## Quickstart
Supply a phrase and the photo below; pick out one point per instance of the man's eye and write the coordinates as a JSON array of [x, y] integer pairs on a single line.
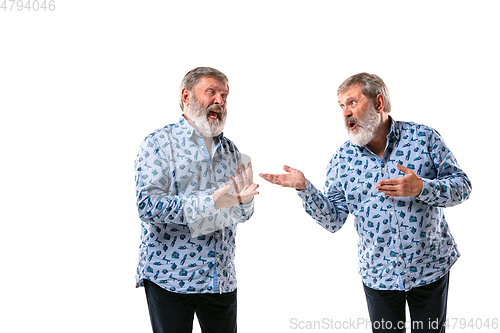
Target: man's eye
[[353, 103]]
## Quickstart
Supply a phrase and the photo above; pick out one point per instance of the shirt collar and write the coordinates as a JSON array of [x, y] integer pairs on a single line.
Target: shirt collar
[[183, 129], [395, 130]]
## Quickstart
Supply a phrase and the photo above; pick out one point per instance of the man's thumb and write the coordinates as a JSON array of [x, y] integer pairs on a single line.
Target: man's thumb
[[403, 169], [224, 190]]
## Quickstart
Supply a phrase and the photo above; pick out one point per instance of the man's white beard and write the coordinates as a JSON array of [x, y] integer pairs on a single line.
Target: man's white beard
[[365, 127], [208, 128]]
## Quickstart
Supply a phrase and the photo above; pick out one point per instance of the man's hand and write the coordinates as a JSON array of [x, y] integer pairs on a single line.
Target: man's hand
[[243, 187], [293, 178], [409, 185], [243, 182]]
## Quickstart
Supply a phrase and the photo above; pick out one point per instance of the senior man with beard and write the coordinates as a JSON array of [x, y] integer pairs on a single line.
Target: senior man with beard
[[395, 177], [184, 175]]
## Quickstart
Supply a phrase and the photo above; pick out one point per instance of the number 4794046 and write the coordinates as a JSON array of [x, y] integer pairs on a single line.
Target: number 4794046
[[473, 323], [28, 5]]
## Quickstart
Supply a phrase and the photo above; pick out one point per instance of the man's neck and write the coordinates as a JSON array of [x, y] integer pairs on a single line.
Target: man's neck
[[379, 141], [208, 144]]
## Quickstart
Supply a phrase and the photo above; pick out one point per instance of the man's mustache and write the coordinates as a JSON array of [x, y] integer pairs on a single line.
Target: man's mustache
[[214, 107], [351, 120]]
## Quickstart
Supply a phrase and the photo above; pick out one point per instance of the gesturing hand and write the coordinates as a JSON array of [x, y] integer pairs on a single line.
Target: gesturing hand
[[293, 178], [243, 187], [407, 186]]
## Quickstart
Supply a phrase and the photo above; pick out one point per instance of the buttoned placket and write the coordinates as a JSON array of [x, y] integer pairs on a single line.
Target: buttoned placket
[[397, 243], [213, 188], [400, 264], [219, 233]]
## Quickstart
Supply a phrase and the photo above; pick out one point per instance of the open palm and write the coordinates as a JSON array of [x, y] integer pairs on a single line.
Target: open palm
[[292, 178]]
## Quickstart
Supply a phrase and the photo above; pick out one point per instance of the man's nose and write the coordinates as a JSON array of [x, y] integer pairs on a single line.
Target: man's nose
[[346, 112], [219, 99]]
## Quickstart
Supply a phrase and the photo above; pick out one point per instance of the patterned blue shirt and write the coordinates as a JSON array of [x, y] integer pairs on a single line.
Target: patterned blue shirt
[[404, 242], [187, 246]]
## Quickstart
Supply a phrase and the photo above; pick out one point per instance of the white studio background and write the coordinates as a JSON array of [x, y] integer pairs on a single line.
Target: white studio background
[[82, 85]]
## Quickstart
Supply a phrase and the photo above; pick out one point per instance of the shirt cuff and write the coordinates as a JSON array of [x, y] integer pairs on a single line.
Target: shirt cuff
[[305, 193], [426, 193], [199, 206]]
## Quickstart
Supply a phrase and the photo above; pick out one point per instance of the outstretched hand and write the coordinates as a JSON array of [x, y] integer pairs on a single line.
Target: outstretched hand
[[293, 178], [407, 186], [243, 187]]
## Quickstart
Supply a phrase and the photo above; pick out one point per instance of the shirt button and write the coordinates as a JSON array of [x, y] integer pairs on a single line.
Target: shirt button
[[395, 236], [202, 147], [400, 259]]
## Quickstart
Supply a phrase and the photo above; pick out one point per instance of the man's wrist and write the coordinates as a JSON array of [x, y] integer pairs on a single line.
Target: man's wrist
[[302, 186]]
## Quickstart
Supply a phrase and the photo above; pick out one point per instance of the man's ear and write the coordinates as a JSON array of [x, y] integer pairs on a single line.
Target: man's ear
[[379, 103], [186, 96]]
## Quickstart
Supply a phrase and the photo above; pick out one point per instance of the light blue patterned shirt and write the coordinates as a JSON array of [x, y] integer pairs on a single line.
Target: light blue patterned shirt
[[404, 242], [187, 246]]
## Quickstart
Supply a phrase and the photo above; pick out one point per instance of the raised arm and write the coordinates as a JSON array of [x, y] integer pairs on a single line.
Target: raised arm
[[159, 200], [328, 209], [449, 187]]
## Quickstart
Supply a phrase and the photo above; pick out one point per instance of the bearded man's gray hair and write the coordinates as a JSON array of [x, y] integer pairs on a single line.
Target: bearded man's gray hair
[[193, 76], [371, 85]]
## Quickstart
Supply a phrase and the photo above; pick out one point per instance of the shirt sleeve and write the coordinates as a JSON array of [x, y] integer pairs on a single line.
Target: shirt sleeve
[[237, 214], [329, 209], [157, 200], [451, 185]]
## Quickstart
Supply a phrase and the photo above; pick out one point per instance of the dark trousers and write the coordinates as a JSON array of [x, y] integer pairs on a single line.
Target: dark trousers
[[174, 313], [427, 305]]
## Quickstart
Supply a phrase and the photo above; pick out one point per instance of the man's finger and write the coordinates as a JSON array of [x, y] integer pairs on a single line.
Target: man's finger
[[239, 179], [392, 193], [224, 190], [388, 182], [250, 192], [249, 172], [244, 174], [266, 176], [253, 187], [388, 188], [233, 183], [270, 178]]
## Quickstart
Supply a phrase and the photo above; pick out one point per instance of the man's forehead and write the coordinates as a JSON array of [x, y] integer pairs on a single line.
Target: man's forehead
[[210, 82], [353, 91]]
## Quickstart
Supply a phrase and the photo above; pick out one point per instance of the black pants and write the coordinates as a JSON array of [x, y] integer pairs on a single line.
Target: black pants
[[174, 313], [427, 305]]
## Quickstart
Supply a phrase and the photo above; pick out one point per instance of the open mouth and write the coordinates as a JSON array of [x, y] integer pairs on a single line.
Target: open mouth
[[351, 125], [214, 112], [213, 115]]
